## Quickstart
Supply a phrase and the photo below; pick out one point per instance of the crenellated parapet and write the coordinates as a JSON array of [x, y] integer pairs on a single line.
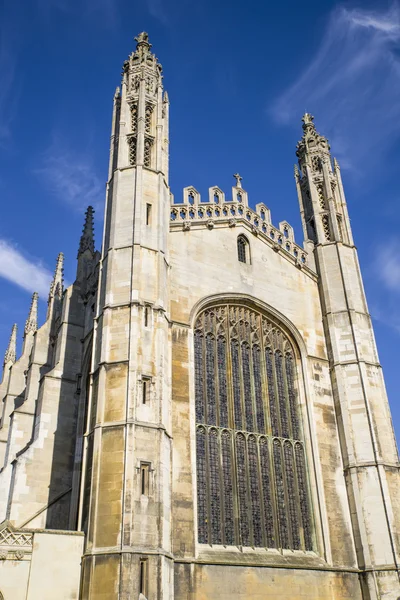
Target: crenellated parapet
[[218, 211]]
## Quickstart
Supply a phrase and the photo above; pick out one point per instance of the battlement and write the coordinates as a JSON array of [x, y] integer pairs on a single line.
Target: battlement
[[218, 210]]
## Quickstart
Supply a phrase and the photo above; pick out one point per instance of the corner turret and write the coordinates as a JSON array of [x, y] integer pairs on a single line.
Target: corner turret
[[322, 203], [369, 451]]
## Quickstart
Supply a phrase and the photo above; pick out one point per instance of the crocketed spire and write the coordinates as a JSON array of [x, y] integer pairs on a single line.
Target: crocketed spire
[[11, 352], [31, 322], [56, 286], [87, 237]]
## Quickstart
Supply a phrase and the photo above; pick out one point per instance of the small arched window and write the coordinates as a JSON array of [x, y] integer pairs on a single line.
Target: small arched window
[[243, 249], [251, 463]]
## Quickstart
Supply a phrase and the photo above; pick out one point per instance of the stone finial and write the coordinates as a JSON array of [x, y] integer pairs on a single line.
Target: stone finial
[[308, 120], [87, 237], [296, 172], [142, 40], [11, 352], [238, 180], [56, 286], [336, 165], [31, 322], [166, 98], [117, 93]]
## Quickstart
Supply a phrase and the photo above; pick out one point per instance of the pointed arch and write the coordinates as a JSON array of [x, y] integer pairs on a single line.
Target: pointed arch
[[254, 448]]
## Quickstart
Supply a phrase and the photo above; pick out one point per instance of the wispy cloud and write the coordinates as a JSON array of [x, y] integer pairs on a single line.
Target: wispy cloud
[[158, 11], [387, 265], [10, 86], [352, 85], [105, 10], [71, 177], [31, 275], [385, 269]]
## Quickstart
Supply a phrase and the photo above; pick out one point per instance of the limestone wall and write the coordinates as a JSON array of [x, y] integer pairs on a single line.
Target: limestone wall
[[204, 264], [39, 565]]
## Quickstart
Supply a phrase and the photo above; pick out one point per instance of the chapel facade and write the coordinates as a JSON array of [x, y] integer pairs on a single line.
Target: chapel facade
[[175, 432]]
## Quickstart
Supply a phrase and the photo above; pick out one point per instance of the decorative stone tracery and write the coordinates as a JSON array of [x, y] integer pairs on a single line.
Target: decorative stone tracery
[[251, 468]]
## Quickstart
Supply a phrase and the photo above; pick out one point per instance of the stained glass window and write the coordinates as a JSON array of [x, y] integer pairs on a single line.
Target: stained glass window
[[222, 389], [227, 476], [252, 483], [215, 487], [202, 486]]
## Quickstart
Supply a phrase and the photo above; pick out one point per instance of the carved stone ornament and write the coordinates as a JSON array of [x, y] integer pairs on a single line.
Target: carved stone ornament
[[210, 224], [232, 222], [186, 225], [254, 230], [19, 554], [135, 82], [276, 247], [298, 264], [3, 555]]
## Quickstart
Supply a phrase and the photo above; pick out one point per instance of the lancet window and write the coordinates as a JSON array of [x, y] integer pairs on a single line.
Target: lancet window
[[243, 249], [252, 484]]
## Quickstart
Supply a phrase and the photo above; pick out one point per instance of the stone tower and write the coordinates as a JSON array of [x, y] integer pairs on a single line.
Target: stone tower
[[370, 459], [128, 435]]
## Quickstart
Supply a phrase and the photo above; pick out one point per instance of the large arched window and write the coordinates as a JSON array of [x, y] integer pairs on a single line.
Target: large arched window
[[251, 467]]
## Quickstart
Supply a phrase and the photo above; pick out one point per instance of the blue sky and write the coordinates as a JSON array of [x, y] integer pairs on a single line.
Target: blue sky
[[239, 76]]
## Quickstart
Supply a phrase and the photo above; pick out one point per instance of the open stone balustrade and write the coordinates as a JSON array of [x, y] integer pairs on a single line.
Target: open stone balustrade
[[218, 210]]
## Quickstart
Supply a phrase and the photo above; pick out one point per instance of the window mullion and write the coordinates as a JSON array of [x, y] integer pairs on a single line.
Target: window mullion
[[231, 418], [222, 487], [276, 392], [286, 394], [287, 493], [208, 486], [252, 387], [280, 493], [204, 371], [274, 493], [264, 524], [267, 405], [242, 399], [297, 496], [264, 383], [216, 379]]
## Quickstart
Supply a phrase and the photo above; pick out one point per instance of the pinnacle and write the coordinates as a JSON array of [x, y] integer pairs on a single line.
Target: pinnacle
[[11, 352], [31, 322], [308, 122], [87, 237], [58, 279], [307, 118]]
